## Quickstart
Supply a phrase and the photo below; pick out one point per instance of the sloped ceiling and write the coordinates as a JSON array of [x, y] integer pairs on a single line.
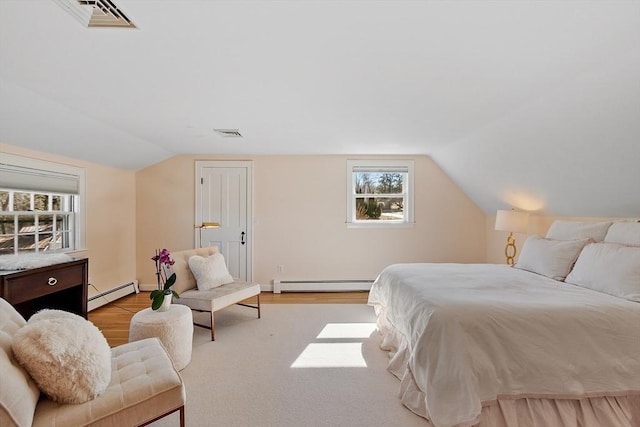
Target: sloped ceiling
[[528, 104]]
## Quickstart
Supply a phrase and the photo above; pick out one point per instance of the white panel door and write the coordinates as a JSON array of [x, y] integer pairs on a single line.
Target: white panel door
[[223, 195]]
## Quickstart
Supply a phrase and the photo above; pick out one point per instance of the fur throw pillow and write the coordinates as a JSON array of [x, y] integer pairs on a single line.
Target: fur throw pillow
[[210, 272], [66, 355]]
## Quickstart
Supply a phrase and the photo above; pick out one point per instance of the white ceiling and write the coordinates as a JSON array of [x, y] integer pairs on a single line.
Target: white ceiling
[[533, 104]]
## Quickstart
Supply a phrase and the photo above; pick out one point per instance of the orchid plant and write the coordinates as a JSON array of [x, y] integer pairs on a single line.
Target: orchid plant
[[163, 261]]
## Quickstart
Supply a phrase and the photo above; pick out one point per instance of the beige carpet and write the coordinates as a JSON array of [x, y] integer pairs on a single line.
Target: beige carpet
[[300, 365]]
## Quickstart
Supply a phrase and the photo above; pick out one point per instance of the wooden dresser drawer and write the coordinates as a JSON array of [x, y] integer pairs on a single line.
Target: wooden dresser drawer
[[27, 287]]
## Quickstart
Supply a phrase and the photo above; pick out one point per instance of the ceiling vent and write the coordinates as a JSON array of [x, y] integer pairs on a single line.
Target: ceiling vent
[[229, 133], [96, 13]]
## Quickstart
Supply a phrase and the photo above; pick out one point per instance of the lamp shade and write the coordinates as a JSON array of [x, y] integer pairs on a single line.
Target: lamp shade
[[513, 221]]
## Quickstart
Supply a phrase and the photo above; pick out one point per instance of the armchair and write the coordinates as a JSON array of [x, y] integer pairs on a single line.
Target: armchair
[[144, 387]]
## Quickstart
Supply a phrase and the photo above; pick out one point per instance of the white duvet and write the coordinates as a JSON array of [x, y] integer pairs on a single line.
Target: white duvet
[[476, 332]]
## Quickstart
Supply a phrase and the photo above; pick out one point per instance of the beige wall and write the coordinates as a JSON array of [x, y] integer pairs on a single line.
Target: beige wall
[[299, 219], [299, 213], [111, 225], [538, 224]]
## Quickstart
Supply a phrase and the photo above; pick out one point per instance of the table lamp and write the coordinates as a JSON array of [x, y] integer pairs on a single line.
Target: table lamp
[[513, 222]]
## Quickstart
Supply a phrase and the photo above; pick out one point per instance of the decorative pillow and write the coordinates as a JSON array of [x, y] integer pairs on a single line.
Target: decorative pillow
[[66, 355], [625, 233], [210, 272], [184, 276], [575, 230], [551, 258], [19, 394], [610, 268]]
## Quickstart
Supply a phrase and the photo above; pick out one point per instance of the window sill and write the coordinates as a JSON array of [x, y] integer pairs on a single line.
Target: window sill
[[380, 224], [78, 253]]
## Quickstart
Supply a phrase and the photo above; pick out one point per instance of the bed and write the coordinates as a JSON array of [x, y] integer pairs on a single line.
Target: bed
[[554, 341]]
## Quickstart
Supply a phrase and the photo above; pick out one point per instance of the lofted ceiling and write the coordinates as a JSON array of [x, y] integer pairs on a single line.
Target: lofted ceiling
[[532, 104]]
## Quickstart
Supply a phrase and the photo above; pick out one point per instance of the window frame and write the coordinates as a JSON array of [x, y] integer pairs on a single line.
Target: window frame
[[77, 230], [66, 215], [401, 166]]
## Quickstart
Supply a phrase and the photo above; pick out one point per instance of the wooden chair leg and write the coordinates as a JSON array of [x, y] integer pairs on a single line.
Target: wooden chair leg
[[182, 424], [213, 337]]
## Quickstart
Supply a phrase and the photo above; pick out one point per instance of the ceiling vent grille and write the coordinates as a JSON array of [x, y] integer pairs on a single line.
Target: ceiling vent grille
[[229, 133], [96, 13]]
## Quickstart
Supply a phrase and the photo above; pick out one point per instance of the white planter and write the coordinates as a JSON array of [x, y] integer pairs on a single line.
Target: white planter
[[166, 303]]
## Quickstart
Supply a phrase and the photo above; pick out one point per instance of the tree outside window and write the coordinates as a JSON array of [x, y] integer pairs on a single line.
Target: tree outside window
[[379, 192]]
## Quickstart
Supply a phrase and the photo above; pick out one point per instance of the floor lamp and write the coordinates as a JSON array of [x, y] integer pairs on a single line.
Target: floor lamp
[[513, 222], [206, 225]]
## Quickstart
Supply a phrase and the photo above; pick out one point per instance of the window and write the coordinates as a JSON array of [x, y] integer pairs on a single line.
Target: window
[[40, 206], [380, 193]]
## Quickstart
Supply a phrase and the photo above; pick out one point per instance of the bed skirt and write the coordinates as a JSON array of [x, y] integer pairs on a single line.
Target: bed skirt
[[507, 411]]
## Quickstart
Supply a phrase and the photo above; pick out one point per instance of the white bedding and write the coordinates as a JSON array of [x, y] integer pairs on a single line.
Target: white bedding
[[478, 332]]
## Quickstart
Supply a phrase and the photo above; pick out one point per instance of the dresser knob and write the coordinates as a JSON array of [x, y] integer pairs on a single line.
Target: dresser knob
[[52, 281]]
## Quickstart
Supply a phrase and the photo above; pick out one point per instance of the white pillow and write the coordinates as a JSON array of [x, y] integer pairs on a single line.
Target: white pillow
[[610, 268], [66, 355], [551, 258], [575, 230], [210, 272], [625, 233]]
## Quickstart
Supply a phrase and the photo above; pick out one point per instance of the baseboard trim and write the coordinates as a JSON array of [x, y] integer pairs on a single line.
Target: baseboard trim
[[321, 285], [111, 295]]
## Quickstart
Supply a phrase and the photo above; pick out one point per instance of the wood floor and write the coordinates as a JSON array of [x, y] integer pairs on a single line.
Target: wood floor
[[113, 318]]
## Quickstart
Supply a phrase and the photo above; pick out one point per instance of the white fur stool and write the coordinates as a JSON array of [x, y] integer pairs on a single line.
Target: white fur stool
[[174, 327]]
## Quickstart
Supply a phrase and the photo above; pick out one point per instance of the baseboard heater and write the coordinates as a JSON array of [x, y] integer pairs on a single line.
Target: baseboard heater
[[100, 299], [321, 285]]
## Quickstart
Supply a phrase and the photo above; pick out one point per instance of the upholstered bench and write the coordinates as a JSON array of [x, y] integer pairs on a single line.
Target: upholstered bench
[[144, 387], [210, 300]]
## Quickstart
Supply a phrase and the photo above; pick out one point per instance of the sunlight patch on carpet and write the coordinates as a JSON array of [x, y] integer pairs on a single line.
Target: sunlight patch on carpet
[[347, 353], [347, 330], [331, 355]]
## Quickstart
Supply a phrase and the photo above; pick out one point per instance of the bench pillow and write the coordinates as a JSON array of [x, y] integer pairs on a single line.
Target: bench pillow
[[184, 276], [210, 272]]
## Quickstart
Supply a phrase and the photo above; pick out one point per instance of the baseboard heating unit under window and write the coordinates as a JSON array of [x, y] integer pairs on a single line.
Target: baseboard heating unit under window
[[321, 285], [100, 299]]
